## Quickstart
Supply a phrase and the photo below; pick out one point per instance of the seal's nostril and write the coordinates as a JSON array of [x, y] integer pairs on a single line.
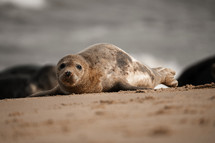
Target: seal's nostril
[[68, 73]]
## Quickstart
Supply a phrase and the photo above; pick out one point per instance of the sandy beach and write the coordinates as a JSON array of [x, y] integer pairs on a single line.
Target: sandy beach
[[184, 114]]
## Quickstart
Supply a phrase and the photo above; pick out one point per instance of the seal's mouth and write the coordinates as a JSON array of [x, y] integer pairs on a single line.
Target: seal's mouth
[[67, 79]]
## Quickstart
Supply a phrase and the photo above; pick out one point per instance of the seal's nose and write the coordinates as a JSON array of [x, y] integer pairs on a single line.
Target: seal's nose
[[68, 73]]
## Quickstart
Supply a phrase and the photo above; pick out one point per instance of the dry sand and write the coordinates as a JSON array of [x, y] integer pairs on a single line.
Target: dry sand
[[185, 114]]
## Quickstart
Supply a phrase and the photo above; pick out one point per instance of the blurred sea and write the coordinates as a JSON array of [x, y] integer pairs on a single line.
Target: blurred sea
[[171, 33]]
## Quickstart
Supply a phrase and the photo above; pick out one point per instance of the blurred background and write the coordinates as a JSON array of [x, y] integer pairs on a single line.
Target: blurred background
[[171, 33]]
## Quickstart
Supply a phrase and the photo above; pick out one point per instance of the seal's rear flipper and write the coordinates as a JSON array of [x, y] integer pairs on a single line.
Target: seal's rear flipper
[[54, 91], [167, 76]]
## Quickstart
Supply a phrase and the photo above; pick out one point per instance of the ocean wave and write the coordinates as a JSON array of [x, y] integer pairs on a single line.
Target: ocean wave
[[30, 4]]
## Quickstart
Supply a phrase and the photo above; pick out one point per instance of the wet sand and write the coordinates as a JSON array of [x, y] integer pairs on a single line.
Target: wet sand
[[185, 114]]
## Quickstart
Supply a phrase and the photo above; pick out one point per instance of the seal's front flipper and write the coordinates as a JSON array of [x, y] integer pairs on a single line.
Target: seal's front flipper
[[125, 86], [54, 91]]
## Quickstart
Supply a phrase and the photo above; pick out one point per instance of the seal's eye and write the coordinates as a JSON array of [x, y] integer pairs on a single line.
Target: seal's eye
[[62, 66], [79, 67]]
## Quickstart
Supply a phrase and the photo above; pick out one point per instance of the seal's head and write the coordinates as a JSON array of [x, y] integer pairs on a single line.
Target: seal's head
[[70, 71]]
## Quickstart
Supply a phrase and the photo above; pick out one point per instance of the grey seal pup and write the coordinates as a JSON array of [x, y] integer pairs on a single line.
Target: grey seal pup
[[106, 68]]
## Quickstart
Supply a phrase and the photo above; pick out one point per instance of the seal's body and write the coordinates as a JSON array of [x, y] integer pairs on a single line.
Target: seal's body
[[202, 72], [106, 68], [27, 70], [24, 80]]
